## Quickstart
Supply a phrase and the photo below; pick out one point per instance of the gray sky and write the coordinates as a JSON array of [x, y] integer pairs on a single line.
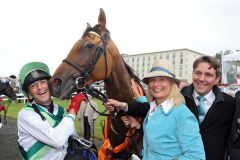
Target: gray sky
[[45, 30]]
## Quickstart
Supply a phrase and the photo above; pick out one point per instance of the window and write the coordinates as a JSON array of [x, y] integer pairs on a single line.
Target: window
[[180, 67], [181, 54], [181, 61], [180, 73], [155, 57], [173, 58], [167, 57]]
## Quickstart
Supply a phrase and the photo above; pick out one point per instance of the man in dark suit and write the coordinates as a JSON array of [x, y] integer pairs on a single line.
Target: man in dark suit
[[234, 145], [215, 114]]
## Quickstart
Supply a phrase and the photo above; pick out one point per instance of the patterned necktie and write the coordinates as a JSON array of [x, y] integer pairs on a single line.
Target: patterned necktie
[[201, 108]]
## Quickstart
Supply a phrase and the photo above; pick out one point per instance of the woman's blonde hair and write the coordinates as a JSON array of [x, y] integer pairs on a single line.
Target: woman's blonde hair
[[175, 94]]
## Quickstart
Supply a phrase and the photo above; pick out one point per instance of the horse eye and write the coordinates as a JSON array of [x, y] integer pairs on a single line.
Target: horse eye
[[88, 45]]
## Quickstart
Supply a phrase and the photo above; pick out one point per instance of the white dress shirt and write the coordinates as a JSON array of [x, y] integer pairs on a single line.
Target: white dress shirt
[[210, 97]]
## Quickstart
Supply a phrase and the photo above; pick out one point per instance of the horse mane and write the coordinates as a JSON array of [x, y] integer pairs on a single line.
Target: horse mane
[[133, 75]]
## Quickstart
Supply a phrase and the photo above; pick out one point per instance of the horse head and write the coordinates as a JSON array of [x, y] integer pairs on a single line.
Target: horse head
[[89, 60], [9, 86]]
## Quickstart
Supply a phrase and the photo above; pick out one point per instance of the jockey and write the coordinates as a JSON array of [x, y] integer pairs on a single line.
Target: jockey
[[43, 126]]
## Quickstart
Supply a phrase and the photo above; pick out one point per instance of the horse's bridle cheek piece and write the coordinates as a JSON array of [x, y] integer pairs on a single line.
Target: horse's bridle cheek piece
[[84, 73]]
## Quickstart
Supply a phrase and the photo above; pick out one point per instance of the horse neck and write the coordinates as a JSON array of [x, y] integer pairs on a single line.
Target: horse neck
[[118, 85]]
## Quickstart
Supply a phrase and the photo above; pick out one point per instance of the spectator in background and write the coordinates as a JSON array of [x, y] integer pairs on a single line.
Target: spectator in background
[[234, 140], [2, 107], [87, 117], [231, 75], [237, 80]]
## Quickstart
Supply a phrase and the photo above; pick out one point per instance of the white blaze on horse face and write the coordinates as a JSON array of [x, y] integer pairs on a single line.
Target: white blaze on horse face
[[14, 83]]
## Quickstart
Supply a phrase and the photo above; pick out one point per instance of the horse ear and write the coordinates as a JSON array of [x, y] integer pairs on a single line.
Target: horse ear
[[102, 18], [88, 25], [13, 76]]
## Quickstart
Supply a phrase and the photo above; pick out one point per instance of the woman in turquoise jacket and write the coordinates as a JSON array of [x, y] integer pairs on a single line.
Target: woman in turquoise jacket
[[171, 131]]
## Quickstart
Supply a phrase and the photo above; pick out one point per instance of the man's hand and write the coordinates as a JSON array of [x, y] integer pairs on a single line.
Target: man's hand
[[75, 102], [182, 84]]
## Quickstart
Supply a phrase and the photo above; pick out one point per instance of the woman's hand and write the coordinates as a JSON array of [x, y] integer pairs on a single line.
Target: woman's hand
[[131, 122], [113, 104]]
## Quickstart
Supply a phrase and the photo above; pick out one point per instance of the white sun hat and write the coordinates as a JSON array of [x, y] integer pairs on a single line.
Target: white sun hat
[[161, 68]]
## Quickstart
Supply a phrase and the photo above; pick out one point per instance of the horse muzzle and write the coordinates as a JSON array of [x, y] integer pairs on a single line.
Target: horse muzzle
[[60, 89]]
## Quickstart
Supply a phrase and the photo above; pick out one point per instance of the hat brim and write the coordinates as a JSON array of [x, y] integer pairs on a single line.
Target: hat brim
[[159, 74]]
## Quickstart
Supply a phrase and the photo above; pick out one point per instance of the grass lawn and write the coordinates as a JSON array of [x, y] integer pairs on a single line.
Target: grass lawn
[[14, 108]]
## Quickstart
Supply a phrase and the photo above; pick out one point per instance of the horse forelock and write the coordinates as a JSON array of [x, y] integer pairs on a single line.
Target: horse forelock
[[87, 30]]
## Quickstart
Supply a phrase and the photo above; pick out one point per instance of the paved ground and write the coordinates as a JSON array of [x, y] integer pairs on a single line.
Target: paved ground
[[8, 141]]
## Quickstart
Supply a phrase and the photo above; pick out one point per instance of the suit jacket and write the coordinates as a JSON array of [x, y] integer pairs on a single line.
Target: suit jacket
[[234, 140], [216, 126]]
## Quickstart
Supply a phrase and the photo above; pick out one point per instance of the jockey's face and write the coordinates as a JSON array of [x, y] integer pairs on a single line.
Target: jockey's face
[[39, 92]]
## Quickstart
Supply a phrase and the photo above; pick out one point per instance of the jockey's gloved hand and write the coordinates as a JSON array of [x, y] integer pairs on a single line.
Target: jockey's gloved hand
[[76, 101], [2, 108]]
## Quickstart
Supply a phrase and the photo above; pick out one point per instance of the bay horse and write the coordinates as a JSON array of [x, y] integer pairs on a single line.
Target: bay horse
[[95, 57]]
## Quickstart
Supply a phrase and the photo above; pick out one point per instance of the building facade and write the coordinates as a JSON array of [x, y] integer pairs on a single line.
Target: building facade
[[181, 59]]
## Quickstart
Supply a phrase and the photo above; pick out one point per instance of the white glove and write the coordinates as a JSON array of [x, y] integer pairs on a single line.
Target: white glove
[[135, 157]]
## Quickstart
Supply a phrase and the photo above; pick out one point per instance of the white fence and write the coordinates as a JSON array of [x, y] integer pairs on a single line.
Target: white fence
[[20, 97]]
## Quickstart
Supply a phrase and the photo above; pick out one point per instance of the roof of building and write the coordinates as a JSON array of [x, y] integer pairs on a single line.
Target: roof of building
[[173, 50]]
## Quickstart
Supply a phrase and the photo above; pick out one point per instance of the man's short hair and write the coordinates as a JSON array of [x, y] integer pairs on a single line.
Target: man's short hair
[[210, 60]]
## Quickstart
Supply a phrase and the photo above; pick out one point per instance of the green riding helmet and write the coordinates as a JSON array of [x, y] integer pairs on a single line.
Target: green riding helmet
[[32, 72]]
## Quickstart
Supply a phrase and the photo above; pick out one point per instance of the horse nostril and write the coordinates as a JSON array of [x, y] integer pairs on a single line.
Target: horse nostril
[[57, 82], [55, 85]]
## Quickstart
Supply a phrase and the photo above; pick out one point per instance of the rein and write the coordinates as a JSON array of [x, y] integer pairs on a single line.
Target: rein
[[97, 94]]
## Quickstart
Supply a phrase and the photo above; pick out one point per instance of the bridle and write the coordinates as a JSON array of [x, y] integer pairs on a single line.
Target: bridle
[[84, 73]]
